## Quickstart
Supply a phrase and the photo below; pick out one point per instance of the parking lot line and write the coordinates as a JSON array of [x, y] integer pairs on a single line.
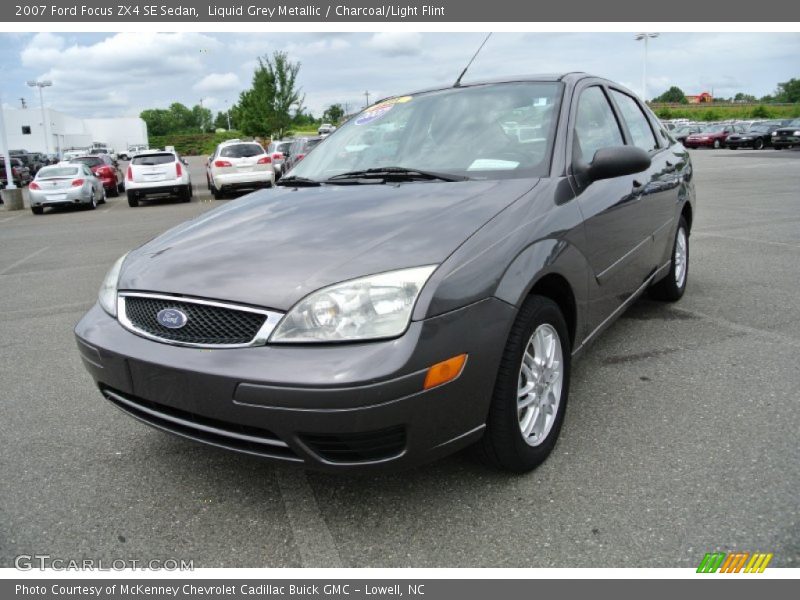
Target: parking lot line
[[746, 239], [311, 534], [23, 260]]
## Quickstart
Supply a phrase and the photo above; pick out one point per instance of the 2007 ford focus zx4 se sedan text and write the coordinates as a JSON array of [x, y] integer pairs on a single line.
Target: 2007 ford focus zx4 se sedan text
[[421, 281]]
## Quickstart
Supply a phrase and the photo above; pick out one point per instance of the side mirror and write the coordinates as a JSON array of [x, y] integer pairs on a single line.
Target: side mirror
[[617, 161], [185, 162]]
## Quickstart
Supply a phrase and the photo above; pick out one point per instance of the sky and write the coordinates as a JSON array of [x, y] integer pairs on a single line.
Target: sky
[[120, 74]]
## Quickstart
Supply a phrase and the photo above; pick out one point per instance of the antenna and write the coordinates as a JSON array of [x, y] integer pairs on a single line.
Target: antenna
[[458, 81]]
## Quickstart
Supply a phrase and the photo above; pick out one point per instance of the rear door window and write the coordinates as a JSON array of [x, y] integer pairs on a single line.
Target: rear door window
[[637, 123], [596, 126]]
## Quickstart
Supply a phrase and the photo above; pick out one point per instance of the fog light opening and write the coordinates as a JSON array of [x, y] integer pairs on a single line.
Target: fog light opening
[[445, 371]]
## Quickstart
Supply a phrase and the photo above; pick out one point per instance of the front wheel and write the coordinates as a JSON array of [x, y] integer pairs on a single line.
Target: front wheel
[[530, 395], [672, 287], [758, 144], [716, 145]]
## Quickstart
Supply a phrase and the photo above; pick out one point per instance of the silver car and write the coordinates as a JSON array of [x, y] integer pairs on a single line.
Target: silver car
[[278, 151], [65, 185]]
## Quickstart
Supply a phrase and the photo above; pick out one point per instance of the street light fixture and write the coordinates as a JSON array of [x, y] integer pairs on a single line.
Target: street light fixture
[[639, 37], [43, 84]]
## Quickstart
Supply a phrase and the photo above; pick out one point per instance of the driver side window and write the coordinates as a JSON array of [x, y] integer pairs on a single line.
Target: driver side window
[[596, 126]]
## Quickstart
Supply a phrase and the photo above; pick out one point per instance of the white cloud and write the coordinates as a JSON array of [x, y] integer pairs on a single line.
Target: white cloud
[[396, 43], [218, 82]]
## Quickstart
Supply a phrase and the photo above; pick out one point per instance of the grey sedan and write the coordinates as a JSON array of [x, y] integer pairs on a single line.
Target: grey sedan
[[65, 185], [421, 282]]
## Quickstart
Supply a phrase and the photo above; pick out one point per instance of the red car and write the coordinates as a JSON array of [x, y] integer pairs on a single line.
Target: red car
[[105, 169], [713, 136]]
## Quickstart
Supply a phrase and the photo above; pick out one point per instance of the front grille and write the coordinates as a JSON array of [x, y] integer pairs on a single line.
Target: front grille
[[223, 434], [205, 324], [358, 447]]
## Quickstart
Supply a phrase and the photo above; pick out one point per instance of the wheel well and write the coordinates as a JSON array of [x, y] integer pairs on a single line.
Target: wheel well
[[686, 213], [557, 289]]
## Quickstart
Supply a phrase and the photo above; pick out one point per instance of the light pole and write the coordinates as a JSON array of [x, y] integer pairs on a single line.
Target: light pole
[[4, 151], [228, 111], [40, 85], [639, 37]]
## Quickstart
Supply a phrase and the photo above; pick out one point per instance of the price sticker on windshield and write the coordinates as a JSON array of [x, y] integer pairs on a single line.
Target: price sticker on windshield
[[373, 113]]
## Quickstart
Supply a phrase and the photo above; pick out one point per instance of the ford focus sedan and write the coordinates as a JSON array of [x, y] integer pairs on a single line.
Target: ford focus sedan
[[420, 283]]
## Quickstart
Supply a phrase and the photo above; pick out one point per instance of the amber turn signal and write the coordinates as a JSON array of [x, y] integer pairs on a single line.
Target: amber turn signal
[[445, 371]]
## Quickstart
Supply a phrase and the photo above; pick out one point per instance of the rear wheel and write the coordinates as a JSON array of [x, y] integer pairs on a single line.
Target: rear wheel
[[530, 395], [672, 287], [37, 210], [103, 196], [133, 201]]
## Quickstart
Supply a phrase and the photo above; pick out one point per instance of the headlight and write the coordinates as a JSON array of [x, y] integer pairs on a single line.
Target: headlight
[[374, 307], [108, 291], [796, 133], [774, 133]]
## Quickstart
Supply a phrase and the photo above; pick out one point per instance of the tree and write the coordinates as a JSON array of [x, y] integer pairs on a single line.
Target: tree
[[267, 108], [744, 98], [333, 114], [788, 91], [672, 95], [760, 112], [221, 120], [202, 118]]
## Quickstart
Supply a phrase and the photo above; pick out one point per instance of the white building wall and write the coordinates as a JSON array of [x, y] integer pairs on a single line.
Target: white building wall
[[66, 131]]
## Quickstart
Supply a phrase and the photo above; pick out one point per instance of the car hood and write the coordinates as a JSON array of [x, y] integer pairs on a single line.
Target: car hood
[[272, 248]]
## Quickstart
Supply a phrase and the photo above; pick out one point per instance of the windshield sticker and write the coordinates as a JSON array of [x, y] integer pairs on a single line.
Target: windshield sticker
[[492, 164], [373, 113]]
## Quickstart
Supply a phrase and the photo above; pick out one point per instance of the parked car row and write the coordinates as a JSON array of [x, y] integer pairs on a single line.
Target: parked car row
[[740, 134]]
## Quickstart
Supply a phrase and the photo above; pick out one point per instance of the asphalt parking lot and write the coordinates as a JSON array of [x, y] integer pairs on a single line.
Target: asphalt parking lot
[[681, 435]]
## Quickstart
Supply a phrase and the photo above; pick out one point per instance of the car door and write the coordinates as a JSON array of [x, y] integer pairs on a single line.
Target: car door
[[618, 241], [659, 193]]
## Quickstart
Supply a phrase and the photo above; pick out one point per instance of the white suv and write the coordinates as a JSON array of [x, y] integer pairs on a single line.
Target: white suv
[[156, 172], [239, 165]]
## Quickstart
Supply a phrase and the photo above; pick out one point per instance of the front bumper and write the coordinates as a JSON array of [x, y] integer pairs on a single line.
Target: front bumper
[[59, 197], [699, 143], [784, 141], [332, 407]]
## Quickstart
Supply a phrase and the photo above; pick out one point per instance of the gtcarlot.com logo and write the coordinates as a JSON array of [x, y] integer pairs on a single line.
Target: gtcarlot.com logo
[[735, 562], [42, 562]]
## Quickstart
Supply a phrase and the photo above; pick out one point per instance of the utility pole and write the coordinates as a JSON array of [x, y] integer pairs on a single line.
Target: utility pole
[[41, 85], [367, 95], [228, 110], [23, 103]]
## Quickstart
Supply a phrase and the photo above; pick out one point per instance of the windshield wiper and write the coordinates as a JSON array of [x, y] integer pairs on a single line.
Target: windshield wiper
[[396, 174], [296, 181]]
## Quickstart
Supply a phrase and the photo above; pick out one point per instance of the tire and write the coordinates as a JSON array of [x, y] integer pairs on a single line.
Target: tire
[[92, 202], [37, 210], [758, 144], [672, 287], [114, 191], [504, 445], [133, 201], [731, 147], [716, 145], [103, 199], [186, 194], [218, 194]]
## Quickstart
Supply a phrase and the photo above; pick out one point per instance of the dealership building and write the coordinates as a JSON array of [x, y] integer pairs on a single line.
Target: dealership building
[[24, 131]]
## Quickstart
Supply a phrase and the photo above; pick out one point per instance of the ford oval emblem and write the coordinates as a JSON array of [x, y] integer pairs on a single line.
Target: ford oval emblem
[[171, 318]]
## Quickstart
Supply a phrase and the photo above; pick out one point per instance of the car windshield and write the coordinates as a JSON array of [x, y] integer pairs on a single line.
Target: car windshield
[[758, 128], [89, 161], [715, 129], [153, 159], [56, 172], [483, 131], [241, 151], [794, 123]]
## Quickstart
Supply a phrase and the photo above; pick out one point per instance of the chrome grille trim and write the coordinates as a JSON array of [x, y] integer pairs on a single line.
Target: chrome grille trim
[[260, 339]]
